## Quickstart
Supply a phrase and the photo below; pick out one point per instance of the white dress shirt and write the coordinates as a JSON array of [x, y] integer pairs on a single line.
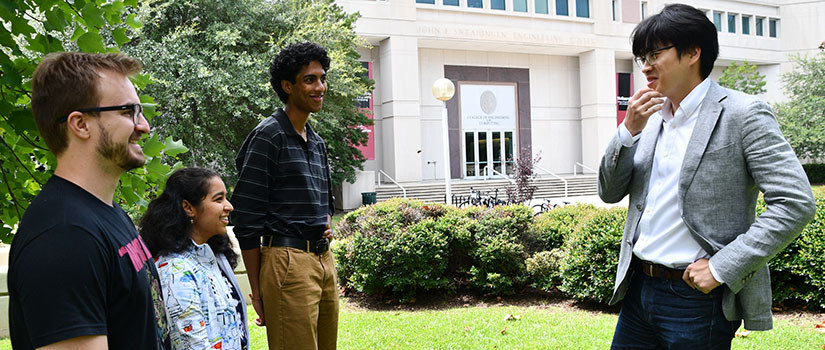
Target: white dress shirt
[[662, 236]]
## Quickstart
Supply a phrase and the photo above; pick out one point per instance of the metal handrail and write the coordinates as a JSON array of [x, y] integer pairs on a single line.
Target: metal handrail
[[487, 169], [583, 167], [556, 176], [381, 172]]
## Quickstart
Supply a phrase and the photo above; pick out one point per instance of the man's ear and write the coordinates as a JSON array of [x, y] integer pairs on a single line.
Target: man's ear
[[286, 85], [694, 54], [78, 124]]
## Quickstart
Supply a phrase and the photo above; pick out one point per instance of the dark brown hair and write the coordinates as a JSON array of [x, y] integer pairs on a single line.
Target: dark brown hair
[[67, 81]]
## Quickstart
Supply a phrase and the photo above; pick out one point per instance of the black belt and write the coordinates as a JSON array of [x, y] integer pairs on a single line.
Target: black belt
[[657, 270], [318, 247]]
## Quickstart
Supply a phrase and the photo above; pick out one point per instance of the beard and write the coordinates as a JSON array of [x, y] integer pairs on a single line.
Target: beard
[[117, 153]]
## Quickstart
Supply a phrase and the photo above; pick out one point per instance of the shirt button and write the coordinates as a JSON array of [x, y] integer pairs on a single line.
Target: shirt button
[[639, 207]]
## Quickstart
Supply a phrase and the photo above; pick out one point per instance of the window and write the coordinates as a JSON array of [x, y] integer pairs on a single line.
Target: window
[[425, 1], [450, 2], [731, 23], [644, 10], [772, 27], [475, 4], [541, 7], [614, 11], [561, 8], [717, 21], [583, 8], [759, 25], [497, 4], [746, 25]]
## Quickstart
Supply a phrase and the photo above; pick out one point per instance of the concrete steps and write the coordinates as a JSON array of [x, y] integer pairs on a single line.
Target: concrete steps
[[548, 187]]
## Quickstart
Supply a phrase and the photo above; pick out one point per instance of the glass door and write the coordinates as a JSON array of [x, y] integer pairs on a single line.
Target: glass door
[[490, 147]]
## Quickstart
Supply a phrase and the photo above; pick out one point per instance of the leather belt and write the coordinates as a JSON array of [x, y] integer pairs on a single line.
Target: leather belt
[[657, 270], [318, 247]]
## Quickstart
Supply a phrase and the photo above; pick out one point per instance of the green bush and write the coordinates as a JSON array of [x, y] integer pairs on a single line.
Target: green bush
[[798, 271], [815, 172], [543, 269], [553, 227], [499, 252], [589, 268]]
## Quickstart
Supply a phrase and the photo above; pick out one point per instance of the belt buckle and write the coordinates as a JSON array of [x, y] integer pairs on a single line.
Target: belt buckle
[[321, 246], [650, 268]]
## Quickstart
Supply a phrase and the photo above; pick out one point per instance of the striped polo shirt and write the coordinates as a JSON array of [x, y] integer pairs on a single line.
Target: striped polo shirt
[[284, 186]]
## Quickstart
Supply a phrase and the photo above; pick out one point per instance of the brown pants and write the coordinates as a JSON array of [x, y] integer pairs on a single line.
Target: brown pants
[[300, 295]]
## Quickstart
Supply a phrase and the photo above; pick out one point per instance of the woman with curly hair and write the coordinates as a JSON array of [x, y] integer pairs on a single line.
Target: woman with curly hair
[[185, 230]]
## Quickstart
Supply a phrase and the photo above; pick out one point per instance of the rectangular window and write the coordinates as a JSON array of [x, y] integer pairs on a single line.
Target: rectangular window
[[644, 10], [541, 7], [731, 23], [497, 4], [759, 26], [614, 11], [425, 1], [772, 28], [746, 25], [475, 4], [583, 8], [717, 21], [450, 2], [561, 8], [520, 5]]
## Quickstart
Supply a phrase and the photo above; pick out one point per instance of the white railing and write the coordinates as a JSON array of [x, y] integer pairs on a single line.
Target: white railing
[[577, 164], [556, 176], [487, 169], [403, 190]]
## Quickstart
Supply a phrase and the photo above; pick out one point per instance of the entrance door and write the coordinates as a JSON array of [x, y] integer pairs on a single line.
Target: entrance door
[[493, 148]]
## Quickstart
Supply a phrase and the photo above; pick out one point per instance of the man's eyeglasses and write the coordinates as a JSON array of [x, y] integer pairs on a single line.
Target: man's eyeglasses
[[135, 110], [650, 57]]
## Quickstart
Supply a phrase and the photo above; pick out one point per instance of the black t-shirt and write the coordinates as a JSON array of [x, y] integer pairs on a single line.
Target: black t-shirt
[[77, 267]]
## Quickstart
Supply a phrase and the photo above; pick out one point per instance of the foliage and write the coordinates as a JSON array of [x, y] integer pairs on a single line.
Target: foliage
[[211, 59], [589, 269], [523, 189], [802, 117], [553, 227], [815, 172], [744, 78], [543, 269], [29, 30], [798, 271], [502, 235]]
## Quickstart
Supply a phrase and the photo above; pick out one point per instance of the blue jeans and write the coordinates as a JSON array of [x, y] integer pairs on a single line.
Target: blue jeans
[[664, 314]]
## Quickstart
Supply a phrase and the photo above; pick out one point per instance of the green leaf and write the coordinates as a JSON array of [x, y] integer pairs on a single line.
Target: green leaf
[[133, 22], [10, 76], [152, 147], [174, 148], [141, 80], [20, 25], [91, 42], [77, 33], [56, 18], [156, 168], [93, 15], [132, 3], [120, 37]]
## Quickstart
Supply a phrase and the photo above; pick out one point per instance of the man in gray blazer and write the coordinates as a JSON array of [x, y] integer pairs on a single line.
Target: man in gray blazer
[[693, 157]]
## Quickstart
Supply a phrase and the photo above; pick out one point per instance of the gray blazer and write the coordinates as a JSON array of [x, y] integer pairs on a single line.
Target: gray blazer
[[736, 151], [223, 264]]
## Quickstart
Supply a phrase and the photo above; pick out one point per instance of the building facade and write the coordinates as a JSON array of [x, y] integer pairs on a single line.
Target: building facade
[[547, 76]]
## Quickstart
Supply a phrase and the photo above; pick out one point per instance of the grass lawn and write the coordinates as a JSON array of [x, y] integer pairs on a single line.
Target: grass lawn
[[541, 326]]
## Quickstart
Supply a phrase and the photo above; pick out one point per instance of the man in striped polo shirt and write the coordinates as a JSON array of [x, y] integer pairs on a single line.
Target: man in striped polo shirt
[[283, 203]]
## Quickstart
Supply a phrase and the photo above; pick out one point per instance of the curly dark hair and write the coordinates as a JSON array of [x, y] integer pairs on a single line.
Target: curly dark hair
[[166, 228], [288, 62]]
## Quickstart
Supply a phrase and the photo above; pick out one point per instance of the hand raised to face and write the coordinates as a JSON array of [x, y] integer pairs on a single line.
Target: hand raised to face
[[641, 106]]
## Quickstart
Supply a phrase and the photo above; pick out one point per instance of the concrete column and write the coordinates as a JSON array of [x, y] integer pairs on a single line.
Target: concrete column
[[400, 108], [597, 72]]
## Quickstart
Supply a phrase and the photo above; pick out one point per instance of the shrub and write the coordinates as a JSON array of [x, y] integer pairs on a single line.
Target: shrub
[[815, 172], [589, 268], [553, 227], [499, 252], [798, 271], [543, 269]]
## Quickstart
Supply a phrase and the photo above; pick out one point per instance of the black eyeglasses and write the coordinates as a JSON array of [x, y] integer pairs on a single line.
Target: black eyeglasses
[[650, 57], [136, 110]]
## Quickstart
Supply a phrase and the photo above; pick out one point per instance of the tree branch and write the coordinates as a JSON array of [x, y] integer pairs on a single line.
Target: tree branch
[[20, 161], [13, 198]]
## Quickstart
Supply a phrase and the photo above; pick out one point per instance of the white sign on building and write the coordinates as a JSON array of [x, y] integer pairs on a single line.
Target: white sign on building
[[487, 107]]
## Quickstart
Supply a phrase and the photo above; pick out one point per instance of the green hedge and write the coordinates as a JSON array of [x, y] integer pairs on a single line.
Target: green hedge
[[815, 172], [403, 248]]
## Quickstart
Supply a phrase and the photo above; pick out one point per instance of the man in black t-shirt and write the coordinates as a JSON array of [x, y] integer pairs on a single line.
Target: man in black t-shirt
[[79, 274]]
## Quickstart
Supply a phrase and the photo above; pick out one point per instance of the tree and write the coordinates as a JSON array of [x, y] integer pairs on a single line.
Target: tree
[[743, 78], [522, 191], [802, 117], [30, 29], [211, 58]]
